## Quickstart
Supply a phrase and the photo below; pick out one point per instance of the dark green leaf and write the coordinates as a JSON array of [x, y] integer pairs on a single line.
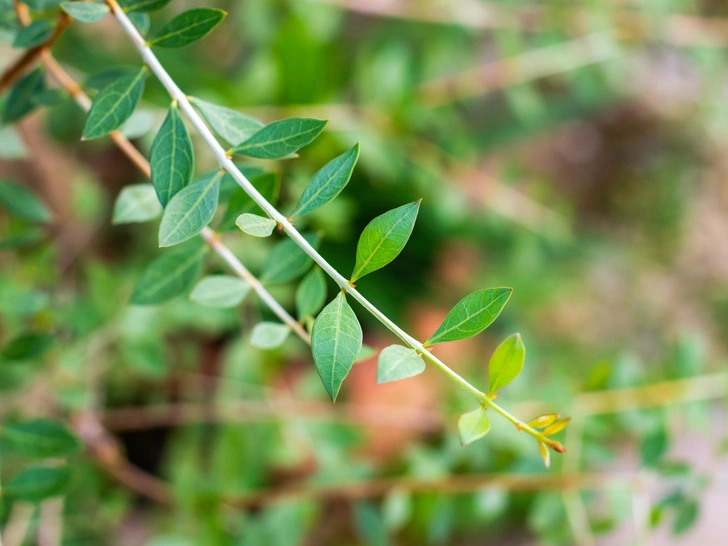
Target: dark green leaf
[[20, 202], [287, 261], [506, 362], [269, 335], [687, 515], [168, 276], [257, 226], [188, 27], [397, 362], [98, 81], [327, 183], [25, 237], [37, 483], [142, 5], [471, 315], [335, 342], [189, 212], [384, 238], [172, 158], [86, 12], [40, 438], [220, 291], [136, 203], [114, 104], [240, 202], [653, 446], [49, 97], [35, 33], [20, 98], [26, 346], [311, 294], [234, 127], [281, 138], [473, 426]]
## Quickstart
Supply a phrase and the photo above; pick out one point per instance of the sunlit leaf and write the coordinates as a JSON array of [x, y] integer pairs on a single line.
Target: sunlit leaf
[[543, 420], [168, 276], [172, 158], [257, 226], [397, 362], [86, 12], [189, 212], [37, 483], [114, 104], [311, 294], [543, 450], [40, 438], [220, 291], [188, 27], [287, 261], [20, 99], [281, 138], [558, 426], [233, 126], [20, 202], [269, 335], [136, 203], [507, 362], [35, 33], [473, 426]]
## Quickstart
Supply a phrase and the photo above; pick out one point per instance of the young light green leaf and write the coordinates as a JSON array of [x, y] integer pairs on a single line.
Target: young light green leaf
[[20, 202], [189, 212], [281, 138], [35, 33], [384, 238], [327, 183], [26, 346], [142, 5], [40, 438], [168, 276], [473, 426], [543, 450], [188, 27], [558, 426], [397, 362], [220, 291], [37, 483], [20, 99], [233, 126], [543, 420], [287, 261], [114, 104], [172, 159], [506, 362], [257, 226], [86, 12], [471, 315], [240, 202], [335, 341], [311, 294], [269, 335], [136, 203]]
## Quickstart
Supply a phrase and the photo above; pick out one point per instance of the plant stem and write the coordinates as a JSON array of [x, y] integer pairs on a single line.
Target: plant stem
[[226, 163]]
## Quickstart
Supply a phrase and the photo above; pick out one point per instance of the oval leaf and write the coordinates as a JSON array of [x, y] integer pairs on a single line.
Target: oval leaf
[[384, 238], [220, 291], [136, 203], [20, 99], [26, 346], [37, 483], [20, 202], [473, 426], [114, 104], [172, 158], [281, 138], [543, 450], [268, 335], [188, 27], [234, 127], [35, 33], [311, 294], [397, 362], [335, 342], [287, 261], [86, 12], [327, 183], [506, 362], [40, 438], [168, 276], [142, 5], [558, 426], [471, 315], [189, 212], [257, 226]]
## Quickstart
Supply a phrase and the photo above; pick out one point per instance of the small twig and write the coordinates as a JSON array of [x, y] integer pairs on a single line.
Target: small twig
[[18, 524]]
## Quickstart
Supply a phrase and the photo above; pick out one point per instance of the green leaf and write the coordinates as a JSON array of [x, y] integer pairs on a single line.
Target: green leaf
[[26, 346], [687, 515], [268, 335], [188, 27], [35, 33], [335, 342], [220, 291], [653, 446], [168, 276], [189, 212], [142, 5], [327, 183], [397, 362], [384, 238], [86, 12], [172, 158], [233, 126], [287, 261], [40, 438], [473, 426], [311, 294], [114, 104], [136, 203], [240, 202], [49, 97], [281, 138], [37, 483], [20, 202], [141, 21], [20, 99], [257, 226], [471, 315], [506, 362]]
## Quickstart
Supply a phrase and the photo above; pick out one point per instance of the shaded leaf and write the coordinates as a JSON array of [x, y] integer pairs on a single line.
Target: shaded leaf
[[20, 202], [311, 294], [86, 12], [188, 27], [269, 335], [189, 212], [365, 353], [287, 261], [384, 238], [240, 202], [40, 438], [142, 5], [168, 276], [26, 346], [507, 362], [653, 446], [233, 126], [687, 515], [37, 483], [471, 315], [114, 104], [96, 82], [136, 203], [35, 33], [473, 426], [220, 291], [281, 138], [336, 340], [397, 362], [141, 21], [257, 226], [327, 183], [20, 99], [172, 158]]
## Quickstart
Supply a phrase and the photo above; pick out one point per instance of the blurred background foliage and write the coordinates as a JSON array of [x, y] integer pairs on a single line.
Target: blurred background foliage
[[572, 150]]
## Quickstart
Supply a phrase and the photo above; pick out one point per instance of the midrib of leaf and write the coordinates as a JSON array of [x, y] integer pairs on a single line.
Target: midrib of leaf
[[172, 167], [342, 299], [122, 97], [459, 324], [181, 30], [277, 141], [321, 189], [376, 248], [167, 279], [199, 199]]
